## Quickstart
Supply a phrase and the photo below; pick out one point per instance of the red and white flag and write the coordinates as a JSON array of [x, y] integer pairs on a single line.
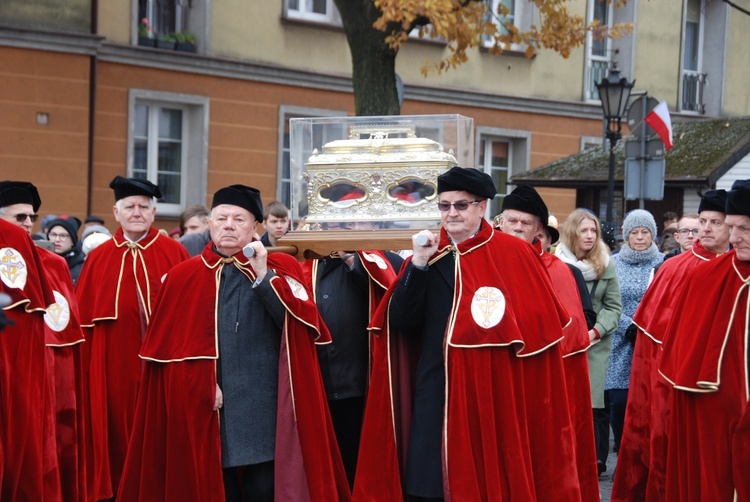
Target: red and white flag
[[659, 120]]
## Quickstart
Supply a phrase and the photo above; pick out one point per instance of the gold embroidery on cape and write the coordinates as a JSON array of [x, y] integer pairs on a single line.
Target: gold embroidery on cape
[[13, 270], [57, 316], [376, 259], [487, 306], [298, 290]]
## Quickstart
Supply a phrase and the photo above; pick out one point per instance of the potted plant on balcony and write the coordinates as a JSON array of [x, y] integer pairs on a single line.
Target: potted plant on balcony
[[165, 41], [144, 33], [185, 41]]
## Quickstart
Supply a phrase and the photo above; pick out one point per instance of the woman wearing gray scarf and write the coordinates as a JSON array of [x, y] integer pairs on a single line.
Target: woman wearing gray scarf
[[634, 265]]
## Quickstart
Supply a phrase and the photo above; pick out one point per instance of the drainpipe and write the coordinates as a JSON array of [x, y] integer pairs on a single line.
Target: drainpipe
[[92, 107]]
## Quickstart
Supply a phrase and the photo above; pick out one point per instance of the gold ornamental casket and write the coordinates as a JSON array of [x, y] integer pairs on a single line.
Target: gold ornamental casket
[[376, 176]]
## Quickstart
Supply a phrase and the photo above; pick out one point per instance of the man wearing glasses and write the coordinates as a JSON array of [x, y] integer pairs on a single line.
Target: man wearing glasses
[[63, 233], [19, 203], [481, 308], [24, 443], [641, 459], [688, 228], [19, 200], [706, 360]]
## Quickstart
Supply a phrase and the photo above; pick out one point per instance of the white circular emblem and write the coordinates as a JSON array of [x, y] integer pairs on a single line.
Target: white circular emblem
[[298, 290], [487, 306], [13, 269], [376, 259], [58, 314]]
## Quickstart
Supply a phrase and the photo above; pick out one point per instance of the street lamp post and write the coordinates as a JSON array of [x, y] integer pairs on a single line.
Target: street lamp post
[[614, 92]]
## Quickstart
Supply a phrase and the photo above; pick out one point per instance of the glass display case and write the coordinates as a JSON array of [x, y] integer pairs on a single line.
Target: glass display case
[[372, 173]]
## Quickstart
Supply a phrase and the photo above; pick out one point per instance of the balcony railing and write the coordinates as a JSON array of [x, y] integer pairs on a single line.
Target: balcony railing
[[693, 84], [597, 72]]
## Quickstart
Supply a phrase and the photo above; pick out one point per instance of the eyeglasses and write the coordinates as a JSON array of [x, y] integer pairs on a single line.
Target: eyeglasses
[[52, 236], [685, 231], [461, 205], [21, 217]]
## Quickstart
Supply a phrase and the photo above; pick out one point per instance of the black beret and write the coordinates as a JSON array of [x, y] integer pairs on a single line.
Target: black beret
[[738, 198], [713, 200], [554, 234], [240, 195], [527, 200], [125, 187], [468, 180], [19, 192], [93, 219], [71, 224]]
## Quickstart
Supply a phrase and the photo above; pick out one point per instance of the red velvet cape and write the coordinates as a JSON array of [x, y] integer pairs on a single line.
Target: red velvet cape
[[507, 429], [375, 263], [114, 276], [63, 336], [379, 270], [28, 457], [576, 364], [175, 451], [706, 361], [641, 460]]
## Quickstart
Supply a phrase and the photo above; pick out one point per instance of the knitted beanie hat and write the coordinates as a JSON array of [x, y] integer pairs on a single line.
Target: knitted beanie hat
[[70, 224], [638, 218]]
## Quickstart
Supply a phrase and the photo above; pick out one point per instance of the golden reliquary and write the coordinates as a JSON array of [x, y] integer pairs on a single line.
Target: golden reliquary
[[382, 173], [372, 173]]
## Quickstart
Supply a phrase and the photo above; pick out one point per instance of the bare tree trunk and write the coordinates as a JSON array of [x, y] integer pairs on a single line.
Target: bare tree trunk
[[373, 63]]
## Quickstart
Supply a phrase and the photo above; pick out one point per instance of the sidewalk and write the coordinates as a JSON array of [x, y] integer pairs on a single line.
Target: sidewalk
[[605, 480]]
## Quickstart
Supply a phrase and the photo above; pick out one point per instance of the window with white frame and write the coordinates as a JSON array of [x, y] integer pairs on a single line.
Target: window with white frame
[[592, 142], [159, 149], [494, 159], [321, 11], [598, 51], [693, 78], [502, 21], [188, 20], [518, 14], [499, 153], [692, 53], [509, 17], [164, 16], [284, 175], [167, 146]]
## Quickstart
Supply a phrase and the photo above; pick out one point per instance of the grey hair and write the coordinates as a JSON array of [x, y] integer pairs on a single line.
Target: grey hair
[[151, 203]]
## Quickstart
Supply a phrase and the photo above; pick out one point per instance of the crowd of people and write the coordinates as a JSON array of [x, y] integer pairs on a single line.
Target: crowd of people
[[489, 364]]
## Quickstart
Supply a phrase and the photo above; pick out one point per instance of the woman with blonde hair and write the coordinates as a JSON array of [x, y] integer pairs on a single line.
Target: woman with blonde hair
[[582, 246]]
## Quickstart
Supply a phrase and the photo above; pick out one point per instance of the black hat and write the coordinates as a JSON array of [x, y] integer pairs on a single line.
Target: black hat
[[19, 192], [554, 233], [526, 199], [713, 200], [738, 198], [240, 195], [93, 219], [70, 223], [125, 187], [468, 180]]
